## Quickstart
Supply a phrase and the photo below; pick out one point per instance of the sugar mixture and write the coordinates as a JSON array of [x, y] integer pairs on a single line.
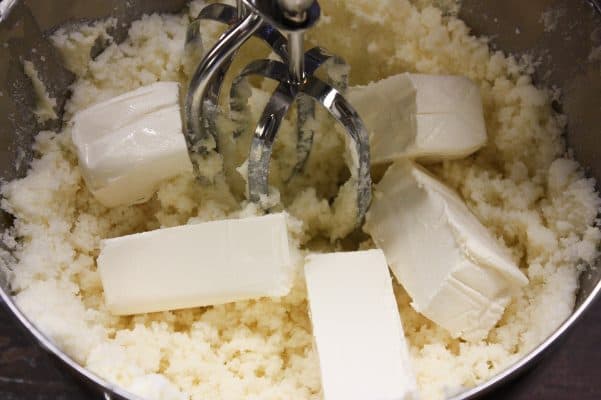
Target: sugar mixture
[[522, 185]]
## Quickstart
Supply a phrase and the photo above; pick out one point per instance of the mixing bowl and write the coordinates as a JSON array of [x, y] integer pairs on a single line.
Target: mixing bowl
[[563, 36]]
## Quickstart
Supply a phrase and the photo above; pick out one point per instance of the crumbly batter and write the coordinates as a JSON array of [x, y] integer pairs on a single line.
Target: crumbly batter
[[522, 186]]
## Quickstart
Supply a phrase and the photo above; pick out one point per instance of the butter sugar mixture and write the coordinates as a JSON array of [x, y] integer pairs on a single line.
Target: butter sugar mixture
[[522, 186]]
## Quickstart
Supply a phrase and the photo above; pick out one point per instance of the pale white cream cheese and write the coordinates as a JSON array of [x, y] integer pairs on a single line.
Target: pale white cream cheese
[[454, 270], [357, 329], [128, 144], [197, 265], [429, 117]]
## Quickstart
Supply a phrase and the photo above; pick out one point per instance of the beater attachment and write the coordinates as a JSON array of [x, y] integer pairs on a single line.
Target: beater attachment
[[281, 25]]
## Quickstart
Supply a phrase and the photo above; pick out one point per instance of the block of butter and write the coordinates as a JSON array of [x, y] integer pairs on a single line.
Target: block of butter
[[430, 117], [357, 329], [196, 265], [128, 144], [454, 270]]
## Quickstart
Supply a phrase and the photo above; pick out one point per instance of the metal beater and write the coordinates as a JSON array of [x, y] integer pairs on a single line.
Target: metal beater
[[281, 24]]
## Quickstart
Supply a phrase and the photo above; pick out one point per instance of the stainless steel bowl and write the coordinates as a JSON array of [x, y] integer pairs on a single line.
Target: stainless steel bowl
[[566, 59]]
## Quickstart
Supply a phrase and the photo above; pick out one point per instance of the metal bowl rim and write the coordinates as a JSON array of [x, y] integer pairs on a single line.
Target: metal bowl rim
[[110, 389], [47, 344]]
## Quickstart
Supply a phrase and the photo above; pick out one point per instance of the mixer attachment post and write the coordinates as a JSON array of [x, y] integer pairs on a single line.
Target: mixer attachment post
[[281, 24]]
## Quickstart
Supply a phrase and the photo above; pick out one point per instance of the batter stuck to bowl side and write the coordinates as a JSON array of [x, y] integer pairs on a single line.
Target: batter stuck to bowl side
[[522, 186]]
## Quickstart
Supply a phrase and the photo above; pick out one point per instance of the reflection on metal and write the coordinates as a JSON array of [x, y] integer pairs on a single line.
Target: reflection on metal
[[5, 7]]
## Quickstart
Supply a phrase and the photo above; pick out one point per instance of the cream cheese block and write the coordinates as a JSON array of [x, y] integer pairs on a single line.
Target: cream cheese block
[[430, 117], [129, 144], [196, 265], [454, 270], [357, 329]]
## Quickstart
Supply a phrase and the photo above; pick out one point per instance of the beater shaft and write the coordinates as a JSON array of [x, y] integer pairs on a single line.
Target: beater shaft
[[296, 61]]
